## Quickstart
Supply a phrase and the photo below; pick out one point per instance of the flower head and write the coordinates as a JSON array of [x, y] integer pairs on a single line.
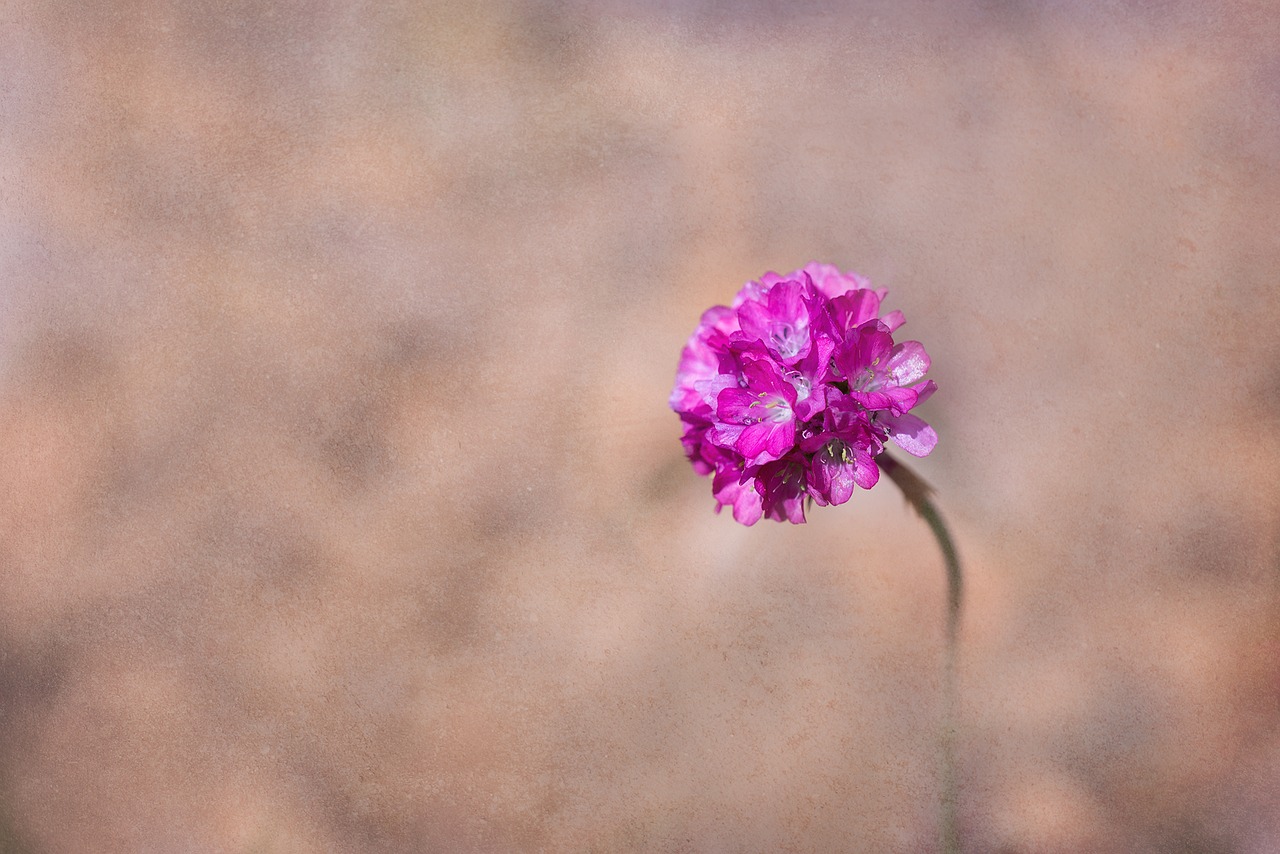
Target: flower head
[[792, 392]]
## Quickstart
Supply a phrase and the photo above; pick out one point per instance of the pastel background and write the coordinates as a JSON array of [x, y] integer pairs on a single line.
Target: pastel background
[[340, 508]]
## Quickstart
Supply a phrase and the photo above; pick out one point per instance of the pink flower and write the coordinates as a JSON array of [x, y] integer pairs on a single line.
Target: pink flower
[[758, 420], [788, 396]]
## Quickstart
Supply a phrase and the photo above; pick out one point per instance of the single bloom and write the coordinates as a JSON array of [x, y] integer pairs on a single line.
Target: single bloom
[[788, 395]]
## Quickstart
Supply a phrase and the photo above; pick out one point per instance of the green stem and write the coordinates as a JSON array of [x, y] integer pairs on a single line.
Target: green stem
[[919, 495]]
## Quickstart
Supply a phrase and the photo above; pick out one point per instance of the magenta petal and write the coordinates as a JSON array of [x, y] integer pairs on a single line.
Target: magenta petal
[[709, 390], [781, 323], [907, 362], [700, 359], [731, 487], [782, 490], [925, 390], [725, 435], [893, 320], [755, 320], [872, 343], [754, 440], [895, 400], [866, 346], [911, 434], [766, 441], [764, 376], [781, 439], [865, 473], [855, 308], [746, 506], [830, 282], [734, 404], [810, 406], [837, 467], [833, 480]]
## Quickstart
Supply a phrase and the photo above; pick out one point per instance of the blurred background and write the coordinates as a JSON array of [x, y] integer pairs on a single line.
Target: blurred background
[[341, 509]]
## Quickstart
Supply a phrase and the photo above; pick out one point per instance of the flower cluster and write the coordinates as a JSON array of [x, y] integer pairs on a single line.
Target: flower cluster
[[793, 391]]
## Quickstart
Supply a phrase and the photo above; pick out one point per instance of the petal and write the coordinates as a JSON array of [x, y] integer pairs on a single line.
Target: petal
[[725, 435], [868, 343], [696, 448], [782, 490], [810, 406], [925, 390], [828, 279], [855, 308], [709, 390], [895, 400], [908, 362], [755, 320], [766, 441], [753, 291], [781, 323], [911, 434], [747, 508], [839, 482], [764, 375], [893, 320], [794, 508], [735, 488], [865, 473], [733, 404]]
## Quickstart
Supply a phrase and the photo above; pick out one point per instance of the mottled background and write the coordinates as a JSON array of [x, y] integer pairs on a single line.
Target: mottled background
[[340, 508]]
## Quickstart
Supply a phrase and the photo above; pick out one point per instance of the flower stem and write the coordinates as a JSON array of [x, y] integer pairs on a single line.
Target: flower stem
[[918, 493]]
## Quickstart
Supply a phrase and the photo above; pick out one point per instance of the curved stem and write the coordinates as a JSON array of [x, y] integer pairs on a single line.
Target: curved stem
[[919, 495]]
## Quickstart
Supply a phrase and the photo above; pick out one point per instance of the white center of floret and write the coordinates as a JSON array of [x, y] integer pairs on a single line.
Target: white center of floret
[[786, 340], [801, 384]]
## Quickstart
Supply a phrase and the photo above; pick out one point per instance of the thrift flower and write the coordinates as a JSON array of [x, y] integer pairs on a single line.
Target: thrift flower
[[788, 396]]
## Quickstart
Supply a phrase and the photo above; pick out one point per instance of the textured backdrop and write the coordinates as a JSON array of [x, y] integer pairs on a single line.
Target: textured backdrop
[[340, 508]]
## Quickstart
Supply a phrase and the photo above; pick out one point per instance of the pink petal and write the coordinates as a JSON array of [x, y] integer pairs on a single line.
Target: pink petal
[[866, 344], [732, 487], [856, 308], [925, 390], [908, 362], [911, 434], [865, 473], [895, 400], [766, 441]]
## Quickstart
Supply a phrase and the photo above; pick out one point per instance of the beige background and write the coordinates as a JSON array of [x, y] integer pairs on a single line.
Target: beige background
[[340, 508]]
